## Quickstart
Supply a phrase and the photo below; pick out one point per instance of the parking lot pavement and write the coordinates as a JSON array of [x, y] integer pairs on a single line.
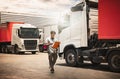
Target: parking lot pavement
[[29, 66]]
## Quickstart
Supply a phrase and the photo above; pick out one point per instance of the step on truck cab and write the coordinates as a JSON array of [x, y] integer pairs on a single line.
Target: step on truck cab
[[17, 37], [82, 40]]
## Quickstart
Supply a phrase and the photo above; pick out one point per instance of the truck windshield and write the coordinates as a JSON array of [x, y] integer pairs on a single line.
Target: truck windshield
[[29, 33]]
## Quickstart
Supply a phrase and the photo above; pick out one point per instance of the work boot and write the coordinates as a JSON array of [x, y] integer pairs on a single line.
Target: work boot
[[52, 70]]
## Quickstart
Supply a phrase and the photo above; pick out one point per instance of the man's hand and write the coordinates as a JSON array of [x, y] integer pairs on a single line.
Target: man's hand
[[49, 43]]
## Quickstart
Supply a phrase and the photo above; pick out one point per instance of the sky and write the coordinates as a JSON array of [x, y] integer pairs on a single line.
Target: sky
[[40, 7]]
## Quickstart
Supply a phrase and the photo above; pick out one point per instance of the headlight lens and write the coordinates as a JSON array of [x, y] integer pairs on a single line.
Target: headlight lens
[[23, 46]]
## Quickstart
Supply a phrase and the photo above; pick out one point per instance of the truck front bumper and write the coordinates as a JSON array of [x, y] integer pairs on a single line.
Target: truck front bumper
[[23, 50]]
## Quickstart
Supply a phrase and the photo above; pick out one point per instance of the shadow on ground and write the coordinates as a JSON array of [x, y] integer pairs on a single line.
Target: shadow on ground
[[26, 53], [21, 53], [102, 67]]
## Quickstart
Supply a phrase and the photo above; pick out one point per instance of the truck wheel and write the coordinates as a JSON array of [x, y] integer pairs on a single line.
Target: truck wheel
[[15, 49], [0, 49], [41, 48], [6, 50], [33, 52], [21, 52], [70, 57], [114, 61], [3, 49]]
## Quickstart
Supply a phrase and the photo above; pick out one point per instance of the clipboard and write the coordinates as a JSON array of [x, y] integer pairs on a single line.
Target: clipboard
[[56, 45]]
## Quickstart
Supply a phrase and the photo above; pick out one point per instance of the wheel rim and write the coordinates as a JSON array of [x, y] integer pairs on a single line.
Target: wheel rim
[[116, 61], [71, 58]]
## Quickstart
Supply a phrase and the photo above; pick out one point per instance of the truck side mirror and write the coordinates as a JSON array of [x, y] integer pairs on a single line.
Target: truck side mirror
[[78, 7], [39, 36]]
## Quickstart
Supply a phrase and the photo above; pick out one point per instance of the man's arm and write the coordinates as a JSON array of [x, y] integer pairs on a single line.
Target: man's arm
[[47, 42]]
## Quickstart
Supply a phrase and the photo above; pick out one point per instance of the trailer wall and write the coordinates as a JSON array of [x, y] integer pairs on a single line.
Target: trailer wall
[[109, 21], [6, 31]]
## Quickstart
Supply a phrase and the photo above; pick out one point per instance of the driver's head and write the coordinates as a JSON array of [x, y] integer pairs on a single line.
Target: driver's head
[[52, 34]]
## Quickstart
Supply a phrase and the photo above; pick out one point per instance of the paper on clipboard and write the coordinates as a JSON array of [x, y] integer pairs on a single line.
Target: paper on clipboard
[[56, 45]]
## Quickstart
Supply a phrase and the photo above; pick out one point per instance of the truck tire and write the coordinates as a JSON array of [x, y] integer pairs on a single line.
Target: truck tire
[[114, 61], [71, 57], [80, 61], [21, 53], [3, 49], [41, 49], [15, 50], [6, 50], [0, 49], [33, 52]]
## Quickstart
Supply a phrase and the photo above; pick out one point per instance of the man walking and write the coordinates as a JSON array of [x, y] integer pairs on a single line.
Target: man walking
[[52, 52]]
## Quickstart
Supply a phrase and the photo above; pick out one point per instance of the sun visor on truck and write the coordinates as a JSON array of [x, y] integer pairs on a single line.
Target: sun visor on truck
[[79, 7]]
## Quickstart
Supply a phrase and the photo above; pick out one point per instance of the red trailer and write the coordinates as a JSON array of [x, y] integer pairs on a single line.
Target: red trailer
[[6, 31], [6, 34], [109, 21]]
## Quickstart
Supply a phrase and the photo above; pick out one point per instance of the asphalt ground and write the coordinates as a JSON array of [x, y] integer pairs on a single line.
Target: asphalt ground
[[29, 66]]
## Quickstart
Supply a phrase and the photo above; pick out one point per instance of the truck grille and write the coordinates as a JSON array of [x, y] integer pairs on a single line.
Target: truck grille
[[30, 44]]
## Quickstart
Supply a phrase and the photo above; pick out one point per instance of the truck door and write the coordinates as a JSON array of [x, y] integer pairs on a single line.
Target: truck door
[[78, 24]]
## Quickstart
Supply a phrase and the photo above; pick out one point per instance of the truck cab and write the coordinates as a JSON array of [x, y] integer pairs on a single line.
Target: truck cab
[[25, 38], [76, 33], [18, 37]]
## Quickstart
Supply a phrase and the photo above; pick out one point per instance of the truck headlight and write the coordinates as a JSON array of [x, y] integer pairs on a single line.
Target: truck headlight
[[23, 46]]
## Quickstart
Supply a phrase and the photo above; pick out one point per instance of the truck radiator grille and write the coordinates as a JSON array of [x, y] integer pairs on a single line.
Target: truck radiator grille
[[30, 44]]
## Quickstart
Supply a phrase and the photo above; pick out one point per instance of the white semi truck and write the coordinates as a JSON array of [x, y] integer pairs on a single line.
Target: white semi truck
[[80, 42], [17, 37]]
